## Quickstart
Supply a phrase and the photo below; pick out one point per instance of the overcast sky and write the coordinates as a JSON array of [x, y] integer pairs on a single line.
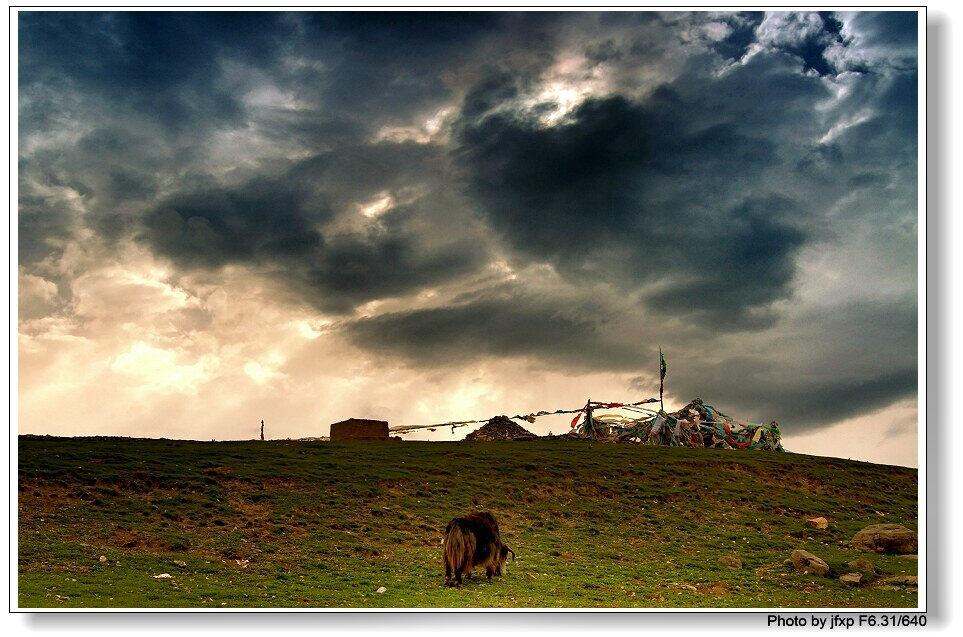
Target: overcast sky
[[304, 217]]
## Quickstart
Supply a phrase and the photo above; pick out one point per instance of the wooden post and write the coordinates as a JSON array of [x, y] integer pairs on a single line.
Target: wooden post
[[262, 430]]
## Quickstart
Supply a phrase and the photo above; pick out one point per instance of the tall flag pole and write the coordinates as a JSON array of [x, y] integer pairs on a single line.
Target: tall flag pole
[[661, 377]]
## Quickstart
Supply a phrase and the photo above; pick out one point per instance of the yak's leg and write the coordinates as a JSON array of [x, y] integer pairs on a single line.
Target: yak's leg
[[489, 571], [447, 573], [457, 572]]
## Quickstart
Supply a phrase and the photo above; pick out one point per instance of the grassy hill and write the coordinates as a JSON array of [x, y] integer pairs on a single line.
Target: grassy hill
[[303, 524]]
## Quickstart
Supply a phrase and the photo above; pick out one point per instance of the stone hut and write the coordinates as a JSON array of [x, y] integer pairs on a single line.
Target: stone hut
[[360, 429]]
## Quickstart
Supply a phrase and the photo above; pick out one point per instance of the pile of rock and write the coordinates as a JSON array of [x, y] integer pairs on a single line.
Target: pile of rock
[[500, 428]]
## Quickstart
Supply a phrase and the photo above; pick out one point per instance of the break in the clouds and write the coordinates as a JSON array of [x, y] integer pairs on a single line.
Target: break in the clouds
[[428, 216]]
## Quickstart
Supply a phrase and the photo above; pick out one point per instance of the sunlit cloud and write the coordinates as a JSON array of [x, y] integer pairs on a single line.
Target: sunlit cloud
[[158, 370], [377, 206]]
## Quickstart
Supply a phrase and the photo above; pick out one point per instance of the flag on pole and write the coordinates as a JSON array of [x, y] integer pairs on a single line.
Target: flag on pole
[[661, 376]]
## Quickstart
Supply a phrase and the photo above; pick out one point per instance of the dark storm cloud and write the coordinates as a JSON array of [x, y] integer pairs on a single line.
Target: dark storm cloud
[[378, 68], [821, 368], [747, 267], [41, 224], [855, 359], [502, 323], [133, 96], [160, 65], [896, 121], [274, 224], [110, 168], [388, 63], [888, 36], [743, 33], [375, 265], [690, 189], [674, 203], [632, 193], [812, 48], [165, 82], [260, 220]]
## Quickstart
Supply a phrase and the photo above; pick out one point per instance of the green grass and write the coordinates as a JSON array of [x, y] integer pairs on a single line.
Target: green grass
[[304, 524]]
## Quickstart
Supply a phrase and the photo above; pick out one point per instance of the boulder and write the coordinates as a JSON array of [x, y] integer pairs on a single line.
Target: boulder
[[885, 538], [862, 566], [818, 523], [806, 562], [851, 579], [730, 562]]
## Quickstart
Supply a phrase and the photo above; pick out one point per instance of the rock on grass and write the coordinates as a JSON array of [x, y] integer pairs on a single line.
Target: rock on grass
[[863, 566], [806, 562], [885, 538], [851, 579]]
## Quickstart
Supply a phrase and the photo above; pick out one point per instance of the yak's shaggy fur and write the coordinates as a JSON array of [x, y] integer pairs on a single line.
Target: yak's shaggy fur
[[473, 541]]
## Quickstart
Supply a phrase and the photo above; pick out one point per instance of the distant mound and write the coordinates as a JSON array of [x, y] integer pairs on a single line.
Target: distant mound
[[500, 428]]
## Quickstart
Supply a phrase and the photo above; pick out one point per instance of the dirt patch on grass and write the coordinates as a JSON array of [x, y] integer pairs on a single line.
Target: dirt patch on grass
[[65, 568], [249, 510], [234, 485], [567, 489], [714, 588], [810, 484], [133, 541], [218, 471], [39, 498], [396, 488], [791, 480]]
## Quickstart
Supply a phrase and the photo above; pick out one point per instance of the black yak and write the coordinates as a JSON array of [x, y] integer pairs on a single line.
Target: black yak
[[474, 541]]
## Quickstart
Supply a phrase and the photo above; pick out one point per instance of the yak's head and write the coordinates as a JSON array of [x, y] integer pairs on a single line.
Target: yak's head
[[503, 558]]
